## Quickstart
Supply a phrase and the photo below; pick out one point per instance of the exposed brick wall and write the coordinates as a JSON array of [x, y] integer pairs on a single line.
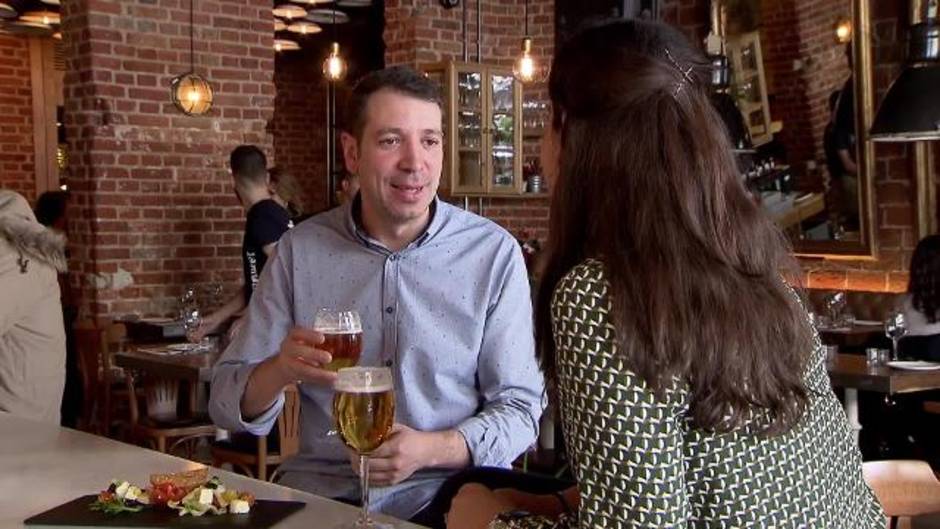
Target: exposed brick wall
[[430, 33], [895, 205], [153, 207], [691, 16], [299, 124], [802, 32], [17, 155], [894, 191]]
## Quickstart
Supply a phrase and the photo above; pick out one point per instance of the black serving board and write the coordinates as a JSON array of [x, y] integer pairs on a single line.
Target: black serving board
[[263, 514]]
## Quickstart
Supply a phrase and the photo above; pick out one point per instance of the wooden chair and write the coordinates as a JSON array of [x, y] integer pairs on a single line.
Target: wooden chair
[[102, 382], [255, 464], [165, 432], [905, 488]]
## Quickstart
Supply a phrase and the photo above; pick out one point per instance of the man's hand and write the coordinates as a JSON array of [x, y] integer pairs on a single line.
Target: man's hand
[[405, 451], [300, 361], [207, 326]]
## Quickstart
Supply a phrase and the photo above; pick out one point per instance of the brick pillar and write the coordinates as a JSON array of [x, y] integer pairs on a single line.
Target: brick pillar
[[153, 207], [17, 156]]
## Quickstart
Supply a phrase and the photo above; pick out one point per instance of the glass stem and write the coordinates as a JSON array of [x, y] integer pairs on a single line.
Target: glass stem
[[894, 348], [364, 520]]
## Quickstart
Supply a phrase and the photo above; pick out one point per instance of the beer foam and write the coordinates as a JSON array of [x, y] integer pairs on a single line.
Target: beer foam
[[326, 329], [354, 386]]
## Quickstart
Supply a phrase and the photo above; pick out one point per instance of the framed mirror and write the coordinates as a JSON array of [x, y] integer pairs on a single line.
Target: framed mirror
[[801, 80]]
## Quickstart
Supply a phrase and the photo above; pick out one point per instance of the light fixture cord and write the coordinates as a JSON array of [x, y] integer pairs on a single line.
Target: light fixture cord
[[525, 15], [192, 49]]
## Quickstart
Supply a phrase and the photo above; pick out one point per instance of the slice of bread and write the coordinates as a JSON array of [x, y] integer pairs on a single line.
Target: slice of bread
[[187, 480]]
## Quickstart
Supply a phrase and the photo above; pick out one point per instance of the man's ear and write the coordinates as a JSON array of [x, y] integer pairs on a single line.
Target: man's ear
[[350, 152]]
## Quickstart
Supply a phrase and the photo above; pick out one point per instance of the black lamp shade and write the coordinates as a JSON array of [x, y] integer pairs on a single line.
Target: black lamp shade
[[911, 109]]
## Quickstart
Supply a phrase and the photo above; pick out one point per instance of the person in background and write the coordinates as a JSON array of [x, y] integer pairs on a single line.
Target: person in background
[[286, 191], [692, 387], [922, 302], [444, 301], [50, 211], [265, 223], [843, 169], [32, 334]]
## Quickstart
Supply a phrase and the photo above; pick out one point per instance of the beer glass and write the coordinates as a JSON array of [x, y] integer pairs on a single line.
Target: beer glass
[[342, 336], [364, 410]]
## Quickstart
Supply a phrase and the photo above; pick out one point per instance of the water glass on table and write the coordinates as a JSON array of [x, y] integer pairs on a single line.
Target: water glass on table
[[895, 328]]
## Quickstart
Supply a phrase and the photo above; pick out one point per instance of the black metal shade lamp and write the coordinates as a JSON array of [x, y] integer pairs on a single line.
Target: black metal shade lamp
[[911, 109], [191, 93]]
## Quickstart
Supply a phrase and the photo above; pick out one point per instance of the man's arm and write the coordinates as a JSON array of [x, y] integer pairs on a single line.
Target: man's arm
[[212, 322], [848, 163], [510, 381]]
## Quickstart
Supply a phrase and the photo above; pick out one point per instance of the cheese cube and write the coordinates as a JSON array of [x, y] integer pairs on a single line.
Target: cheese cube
[[205, 496], [121, 490], [239, 507]]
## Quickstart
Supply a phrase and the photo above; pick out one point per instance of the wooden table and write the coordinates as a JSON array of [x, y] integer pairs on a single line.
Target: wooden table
[[44, 465], [193, 368], [852, 373], [857, 336], [183, 366]]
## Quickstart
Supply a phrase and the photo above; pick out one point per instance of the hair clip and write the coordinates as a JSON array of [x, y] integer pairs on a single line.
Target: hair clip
[[686, 73]]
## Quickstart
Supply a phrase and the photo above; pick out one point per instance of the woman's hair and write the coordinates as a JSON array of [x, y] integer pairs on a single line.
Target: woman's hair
[[285, 186], [647, 184], [51, 206], [924, 284]]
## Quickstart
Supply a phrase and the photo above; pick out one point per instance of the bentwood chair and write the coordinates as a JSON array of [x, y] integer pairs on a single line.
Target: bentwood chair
[[255, 463], [157, 422], [905, 488]]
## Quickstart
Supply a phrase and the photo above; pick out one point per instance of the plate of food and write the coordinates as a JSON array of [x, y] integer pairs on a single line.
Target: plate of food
[[180, 499], [914, 365]]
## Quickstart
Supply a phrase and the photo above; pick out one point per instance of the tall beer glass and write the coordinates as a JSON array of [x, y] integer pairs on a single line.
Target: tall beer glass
[[364, 410], [342, 336]]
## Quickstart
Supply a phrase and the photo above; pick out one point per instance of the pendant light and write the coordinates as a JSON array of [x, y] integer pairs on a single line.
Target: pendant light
[[191, 93], [525, 69], [911, 109], [334, 67]]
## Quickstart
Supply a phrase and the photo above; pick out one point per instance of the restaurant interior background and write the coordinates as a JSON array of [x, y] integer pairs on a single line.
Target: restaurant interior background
[[152, 205]]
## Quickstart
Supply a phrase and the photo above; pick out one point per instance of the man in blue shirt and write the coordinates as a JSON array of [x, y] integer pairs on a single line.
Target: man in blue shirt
[[444, 300]]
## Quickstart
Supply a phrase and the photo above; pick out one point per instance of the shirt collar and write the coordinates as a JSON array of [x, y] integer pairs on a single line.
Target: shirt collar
[[354, 223]]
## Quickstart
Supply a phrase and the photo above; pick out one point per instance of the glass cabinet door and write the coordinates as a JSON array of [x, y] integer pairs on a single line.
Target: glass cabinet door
[[469, 133], [502, 133]]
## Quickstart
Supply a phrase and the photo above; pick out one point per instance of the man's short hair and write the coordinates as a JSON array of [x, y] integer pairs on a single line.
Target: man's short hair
[[401, 79], [249, 164]]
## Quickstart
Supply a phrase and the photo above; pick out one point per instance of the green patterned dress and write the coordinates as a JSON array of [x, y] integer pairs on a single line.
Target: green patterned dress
[[639, 463]]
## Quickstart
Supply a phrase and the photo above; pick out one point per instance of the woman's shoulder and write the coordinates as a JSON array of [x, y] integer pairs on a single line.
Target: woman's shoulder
[[585, 282]]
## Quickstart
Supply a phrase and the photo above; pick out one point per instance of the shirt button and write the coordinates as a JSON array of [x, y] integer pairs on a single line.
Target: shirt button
[[393, 257], [388, 363], [389, 310]]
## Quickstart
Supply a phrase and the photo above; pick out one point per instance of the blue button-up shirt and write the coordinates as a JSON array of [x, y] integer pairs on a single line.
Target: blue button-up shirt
[[451, 313]]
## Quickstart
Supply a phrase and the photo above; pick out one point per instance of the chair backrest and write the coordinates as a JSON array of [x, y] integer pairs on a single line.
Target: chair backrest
[[904, 487], [288, 422], [92, 349]]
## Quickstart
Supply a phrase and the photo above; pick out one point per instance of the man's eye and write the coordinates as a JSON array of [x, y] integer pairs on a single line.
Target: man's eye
[[388, 141], [432, 142]]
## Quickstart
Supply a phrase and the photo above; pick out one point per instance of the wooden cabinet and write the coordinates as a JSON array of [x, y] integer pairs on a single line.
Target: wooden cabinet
[[749, 85], [483, 129]]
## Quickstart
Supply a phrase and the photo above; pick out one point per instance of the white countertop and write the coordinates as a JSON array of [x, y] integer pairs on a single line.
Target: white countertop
[[43, 466]]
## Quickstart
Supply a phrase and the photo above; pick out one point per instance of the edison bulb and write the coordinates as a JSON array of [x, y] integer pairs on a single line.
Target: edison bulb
[[525, 69], [193, 96], [334, 67]]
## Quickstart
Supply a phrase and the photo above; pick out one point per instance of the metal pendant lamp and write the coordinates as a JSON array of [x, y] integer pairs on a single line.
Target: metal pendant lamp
[[191, 93], [911, 109]]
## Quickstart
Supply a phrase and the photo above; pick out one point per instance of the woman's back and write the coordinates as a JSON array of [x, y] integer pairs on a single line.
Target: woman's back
[[640, 463]]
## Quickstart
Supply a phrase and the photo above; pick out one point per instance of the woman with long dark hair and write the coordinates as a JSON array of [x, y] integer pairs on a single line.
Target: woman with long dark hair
[[691, 384], [922, 304]]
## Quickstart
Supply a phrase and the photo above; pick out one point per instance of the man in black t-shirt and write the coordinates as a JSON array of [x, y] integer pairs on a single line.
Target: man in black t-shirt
[[266, 221]]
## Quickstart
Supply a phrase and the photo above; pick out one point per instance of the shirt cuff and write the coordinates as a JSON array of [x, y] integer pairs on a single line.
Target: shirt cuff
[[261, 424], [484, 446]]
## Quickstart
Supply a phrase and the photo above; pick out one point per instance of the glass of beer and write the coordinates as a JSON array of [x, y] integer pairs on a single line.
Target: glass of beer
[[364, 410], [342, 336]]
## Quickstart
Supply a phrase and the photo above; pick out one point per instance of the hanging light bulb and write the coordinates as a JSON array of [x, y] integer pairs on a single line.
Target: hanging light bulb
[[844, 32], [334, 67], [524, 69], [191, 93]]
